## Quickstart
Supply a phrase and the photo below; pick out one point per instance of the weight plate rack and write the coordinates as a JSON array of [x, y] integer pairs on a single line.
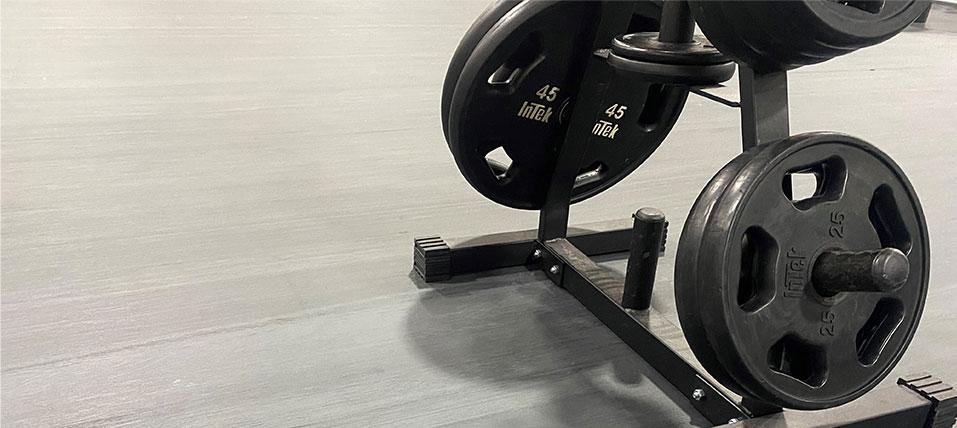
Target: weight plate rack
[[623, 305]]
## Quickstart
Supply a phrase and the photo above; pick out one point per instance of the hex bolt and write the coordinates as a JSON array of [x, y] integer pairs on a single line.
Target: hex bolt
[[733, 421], [537, 254], [697, 394], [554, 269]]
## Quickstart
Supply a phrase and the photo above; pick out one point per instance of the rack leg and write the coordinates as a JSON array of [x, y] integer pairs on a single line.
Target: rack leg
[[437, 259]]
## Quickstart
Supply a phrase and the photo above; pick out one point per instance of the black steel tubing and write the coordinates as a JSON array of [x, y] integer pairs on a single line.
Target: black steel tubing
[[677, 25]]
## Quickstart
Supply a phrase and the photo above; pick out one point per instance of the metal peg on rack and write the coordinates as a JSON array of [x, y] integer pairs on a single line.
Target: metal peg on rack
[[647, 243]]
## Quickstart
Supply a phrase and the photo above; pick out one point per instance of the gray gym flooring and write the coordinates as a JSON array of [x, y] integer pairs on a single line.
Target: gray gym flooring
[[208, 211]]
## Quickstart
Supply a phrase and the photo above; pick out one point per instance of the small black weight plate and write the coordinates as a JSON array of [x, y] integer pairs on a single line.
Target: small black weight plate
[[517, 89], [674, 74], [773, 35], [746, 298], [473, 35], [694, 63], [645, 46]]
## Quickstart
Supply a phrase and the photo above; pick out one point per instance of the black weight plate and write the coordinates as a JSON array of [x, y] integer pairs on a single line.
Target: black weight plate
[[745, 299], [772, 35], [473, 35], [517, 90], [646, 47], [675, 74], [688, 245]]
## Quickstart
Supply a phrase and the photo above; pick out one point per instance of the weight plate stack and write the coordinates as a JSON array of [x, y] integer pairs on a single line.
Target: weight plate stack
[[803, 301], [782, 35], [516, 79]]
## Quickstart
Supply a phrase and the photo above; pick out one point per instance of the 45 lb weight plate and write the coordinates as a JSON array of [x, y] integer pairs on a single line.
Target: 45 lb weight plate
[[807, 300], [519, 85]]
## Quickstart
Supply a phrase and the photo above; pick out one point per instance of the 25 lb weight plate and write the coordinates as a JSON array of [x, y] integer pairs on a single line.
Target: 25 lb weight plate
[[518, 87], [773, 35], [803, 301]]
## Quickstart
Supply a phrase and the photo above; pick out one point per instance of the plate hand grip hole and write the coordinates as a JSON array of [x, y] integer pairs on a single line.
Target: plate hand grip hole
[[518, 65], [504, 75], [804, 185], [887, 221], [654, 107], [590, 174], [869, 6], [499, 162], [808, 185], [759, 254], [800, 360], [877, 331]]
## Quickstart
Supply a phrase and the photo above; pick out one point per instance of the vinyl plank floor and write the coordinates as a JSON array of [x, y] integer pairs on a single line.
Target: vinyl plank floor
[[208, 210]]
